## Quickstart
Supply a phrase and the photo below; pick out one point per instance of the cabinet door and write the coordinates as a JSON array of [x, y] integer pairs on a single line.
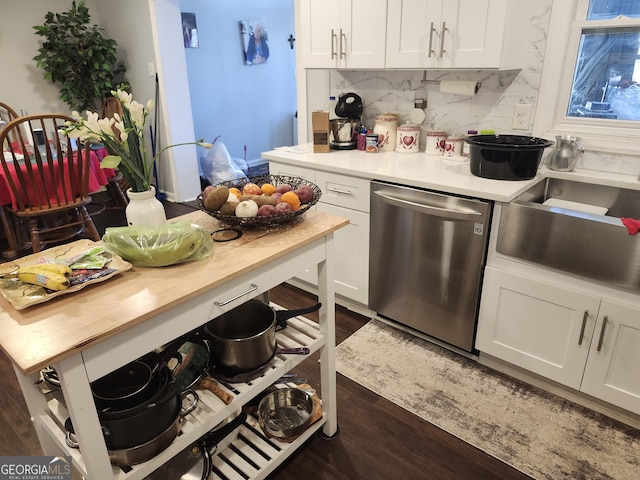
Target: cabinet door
[[413, 28], [319, 32], [343, 33], [472, 33], [614, 362], [351, 253], [543, 328], [363, 25]]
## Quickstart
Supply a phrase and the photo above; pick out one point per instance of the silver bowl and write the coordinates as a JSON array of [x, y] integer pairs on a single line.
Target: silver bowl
[[285, 412]]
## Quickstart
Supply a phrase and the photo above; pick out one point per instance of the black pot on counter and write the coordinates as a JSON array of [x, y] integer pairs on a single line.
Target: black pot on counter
[[505, 157]]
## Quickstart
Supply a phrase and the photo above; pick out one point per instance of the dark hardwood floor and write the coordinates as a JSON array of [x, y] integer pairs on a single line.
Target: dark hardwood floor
[[377, 439]]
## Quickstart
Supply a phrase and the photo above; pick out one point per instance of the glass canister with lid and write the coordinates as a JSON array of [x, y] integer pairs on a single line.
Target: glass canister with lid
[[386, 127]]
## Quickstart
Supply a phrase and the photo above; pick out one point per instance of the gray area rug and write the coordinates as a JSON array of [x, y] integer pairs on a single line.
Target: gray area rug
[[536, 432]]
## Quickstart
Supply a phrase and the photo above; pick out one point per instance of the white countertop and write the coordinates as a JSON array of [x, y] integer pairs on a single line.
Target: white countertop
[[429, 171]]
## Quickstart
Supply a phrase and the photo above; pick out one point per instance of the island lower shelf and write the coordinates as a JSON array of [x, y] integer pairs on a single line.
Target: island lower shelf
[[247, 450]]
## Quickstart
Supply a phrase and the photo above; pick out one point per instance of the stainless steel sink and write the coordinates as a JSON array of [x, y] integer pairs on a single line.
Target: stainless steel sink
[[593, 245]]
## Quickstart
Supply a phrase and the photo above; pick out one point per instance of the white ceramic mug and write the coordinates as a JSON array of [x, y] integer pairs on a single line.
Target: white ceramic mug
[[453, 147]]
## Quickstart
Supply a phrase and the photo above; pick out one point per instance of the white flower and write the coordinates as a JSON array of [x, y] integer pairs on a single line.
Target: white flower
[[126, 144], [138, 114]]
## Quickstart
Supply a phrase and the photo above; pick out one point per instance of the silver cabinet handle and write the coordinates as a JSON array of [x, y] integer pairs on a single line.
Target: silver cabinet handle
[[584, 324], [431, 30], [444, 29], [604, 325], [429, 209], [253, 288], [343, 47], [338, 191], [333, 44]]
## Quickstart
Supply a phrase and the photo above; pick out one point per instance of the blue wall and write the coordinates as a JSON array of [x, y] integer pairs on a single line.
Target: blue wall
[[246, 105]]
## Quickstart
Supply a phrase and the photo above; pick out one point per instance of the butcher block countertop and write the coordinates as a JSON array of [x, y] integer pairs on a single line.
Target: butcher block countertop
[[44, 334]]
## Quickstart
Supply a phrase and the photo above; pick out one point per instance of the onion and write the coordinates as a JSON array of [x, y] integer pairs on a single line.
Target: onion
[[247, 208]]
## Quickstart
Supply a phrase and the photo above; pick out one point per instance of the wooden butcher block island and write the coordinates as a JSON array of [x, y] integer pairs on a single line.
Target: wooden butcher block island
[[91, 332]]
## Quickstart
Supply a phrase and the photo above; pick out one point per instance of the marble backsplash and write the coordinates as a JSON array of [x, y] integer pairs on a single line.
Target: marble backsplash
[[491, 108]]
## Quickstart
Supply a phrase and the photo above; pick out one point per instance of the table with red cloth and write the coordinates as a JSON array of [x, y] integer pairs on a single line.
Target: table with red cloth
[[98, 177]]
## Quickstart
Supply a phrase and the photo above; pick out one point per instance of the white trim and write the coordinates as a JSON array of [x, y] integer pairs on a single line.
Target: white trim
[[560, 57]]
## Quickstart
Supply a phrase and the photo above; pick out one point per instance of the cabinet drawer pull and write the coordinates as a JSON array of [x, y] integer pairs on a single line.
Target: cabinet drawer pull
[[338, 191], [444, 29], [247, 292], [584, 324], [431, 30], [343, 47], [333, 44], [604, 325]]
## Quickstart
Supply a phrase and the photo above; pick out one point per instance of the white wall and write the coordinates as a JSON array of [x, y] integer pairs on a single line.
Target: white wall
[[246, 105]]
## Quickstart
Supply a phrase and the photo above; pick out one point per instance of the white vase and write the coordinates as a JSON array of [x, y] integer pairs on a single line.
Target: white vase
[[144, 209]]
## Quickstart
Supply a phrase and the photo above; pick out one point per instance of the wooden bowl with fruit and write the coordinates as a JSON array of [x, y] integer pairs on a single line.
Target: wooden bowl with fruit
[[259, 201]]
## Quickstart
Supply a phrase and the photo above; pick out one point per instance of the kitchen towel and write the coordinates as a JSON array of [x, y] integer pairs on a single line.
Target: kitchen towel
[[633, 226], [459, 87]]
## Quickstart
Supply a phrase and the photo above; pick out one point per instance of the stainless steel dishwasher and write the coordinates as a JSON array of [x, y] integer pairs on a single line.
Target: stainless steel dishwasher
[[427, 256]]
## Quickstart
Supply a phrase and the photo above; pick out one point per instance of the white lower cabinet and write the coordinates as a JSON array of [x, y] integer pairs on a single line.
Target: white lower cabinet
[[614, 361], [577, 339], [347, 197], [351, 253]]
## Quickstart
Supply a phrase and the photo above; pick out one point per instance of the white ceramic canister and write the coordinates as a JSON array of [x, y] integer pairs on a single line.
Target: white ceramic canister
[[408, 139], [453, 147], [435, 143], [386, 127]]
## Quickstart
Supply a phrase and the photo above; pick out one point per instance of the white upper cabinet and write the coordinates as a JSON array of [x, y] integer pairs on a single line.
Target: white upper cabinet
[[456, 34], [342, 33]]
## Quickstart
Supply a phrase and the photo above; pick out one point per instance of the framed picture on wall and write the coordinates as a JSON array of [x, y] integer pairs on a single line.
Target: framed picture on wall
[[254, 41], [189, 30]]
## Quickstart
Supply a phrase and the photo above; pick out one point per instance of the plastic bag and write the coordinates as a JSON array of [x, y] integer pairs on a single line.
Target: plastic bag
[[168, 244], [217, 166]]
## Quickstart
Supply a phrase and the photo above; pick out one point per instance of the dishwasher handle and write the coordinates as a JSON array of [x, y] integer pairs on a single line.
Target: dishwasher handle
[[447, 213]]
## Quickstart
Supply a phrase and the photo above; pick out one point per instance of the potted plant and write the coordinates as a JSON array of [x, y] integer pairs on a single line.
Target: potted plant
[[128, 150], [78, 57]]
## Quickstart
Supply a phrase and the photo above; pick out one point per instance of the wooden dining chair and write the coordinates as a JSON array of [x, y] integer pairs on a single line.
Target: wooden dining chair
[[6, 115], [48, 182]]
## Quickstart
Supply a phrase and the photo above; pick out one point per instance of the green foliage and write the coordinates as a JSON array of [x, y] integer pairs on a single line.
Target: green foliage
[[77, 57]]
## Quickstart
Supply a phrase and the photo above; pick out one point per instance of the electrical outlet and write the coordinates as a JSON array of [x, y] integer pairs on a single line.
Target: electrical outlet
[[521, 116], [151, 69]]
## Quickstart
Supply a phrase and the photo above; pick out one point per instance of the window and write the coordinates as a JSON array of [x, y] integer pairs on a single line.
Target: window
[[591, 75]]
